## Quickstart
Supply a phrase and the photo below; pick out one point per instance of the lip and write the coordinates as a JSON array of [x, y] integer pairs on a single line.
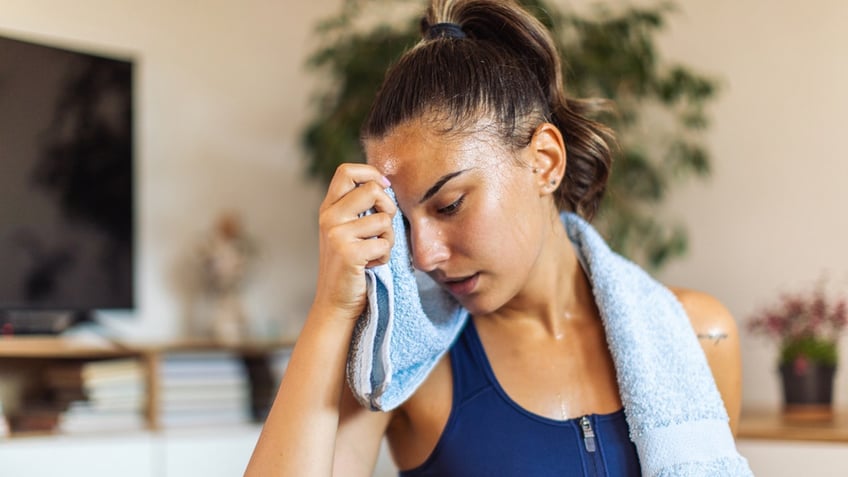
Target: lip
[[462, 286]]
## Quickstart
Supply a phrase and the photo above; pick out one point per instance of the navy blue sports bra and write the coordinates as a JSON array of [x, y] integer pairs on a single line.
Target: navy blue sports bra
[[489, 434]]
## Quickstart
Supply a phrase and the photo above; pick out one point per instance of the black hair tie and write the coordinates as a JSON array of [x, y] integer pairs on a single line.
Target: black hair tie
[[445, 30]]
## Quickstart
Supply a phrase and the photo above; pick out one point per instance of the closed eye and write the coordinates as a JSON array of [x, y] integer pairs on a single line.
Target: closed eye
[[452, 208]]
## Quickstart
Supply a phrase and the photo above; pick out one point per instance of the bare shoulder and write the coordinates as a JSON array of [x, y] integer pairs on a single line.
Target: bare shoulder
[[709, 317], [718, 334]]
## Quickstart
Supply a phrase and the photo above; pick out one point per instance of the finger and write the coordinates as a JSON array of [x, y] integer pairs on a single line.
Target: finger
[[376, 251], [348, 176], [366, 197], [381, 261], [376, 225], [383, 233], [365, 228], [364, 242], [359, 253]]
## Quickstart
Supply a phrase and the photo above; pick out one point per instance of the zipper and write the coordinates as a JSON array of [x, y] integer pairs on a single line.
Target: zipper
[[588, 434], [589, 443]]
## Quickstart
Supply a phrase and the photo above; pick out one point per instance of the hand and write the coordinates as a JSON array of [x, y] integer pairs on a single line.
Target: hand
[[349, 242]]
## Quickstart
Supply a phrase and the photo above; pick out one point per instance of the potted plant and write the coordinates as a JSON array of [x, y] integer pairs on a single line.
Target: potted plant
[[807, 326]]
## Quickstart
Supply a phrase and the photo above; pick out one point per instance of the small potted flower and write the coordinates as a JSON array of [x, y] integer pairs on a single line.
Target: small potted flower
[[807, 327]]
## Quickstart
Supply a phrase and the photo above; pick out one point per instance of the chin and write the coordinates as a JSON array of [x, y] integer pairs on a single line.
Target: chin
[[479, 305]]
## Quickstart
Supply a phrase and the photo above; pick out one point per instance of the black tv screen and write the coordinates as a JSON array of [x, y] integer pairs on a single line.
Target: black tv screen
[[66, 179]]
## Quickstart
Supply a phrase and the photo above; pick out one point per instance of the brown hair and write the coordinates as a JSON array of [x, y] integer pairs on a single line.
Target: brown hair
[[502, 66]]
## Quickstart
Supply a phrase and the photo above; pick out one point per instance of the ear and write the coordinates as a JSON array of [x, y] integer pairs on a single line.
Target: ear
[[547, 157]]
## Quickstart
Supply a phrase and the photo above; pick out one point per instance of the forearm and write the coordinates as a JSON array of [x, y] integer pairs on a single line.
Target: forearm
[[299, 435]]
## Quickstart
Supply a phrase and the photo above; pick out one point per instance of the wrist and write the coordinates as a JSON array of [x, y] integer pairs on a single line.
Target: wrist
[[332, 309], [327, 317]]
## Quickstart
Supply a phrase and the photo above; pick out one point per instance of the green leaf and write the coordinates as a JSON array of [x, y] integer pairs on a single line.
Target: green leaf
[[816, 350], [684, 158]]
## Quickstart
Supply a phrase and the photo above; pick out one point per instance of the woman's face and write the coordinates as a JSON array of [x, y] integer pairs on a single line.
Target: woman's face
[[476, 219]]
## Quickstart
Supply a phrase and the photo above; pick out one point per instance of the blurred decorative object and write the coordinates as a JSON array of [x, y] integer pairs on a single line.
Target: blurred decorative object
[[225, 259], [4, 424], [807, 327], [610, 54]]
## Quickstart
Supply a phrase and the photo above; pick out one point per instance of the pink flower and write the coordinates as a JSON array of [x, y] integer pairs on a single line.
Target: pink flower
[[801, 365], [802, 315]]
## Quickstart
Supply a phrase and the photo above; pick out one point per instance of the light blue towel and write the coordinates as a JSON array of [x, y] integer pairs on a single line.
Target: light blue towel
[[676, 416], [409, 323], [675, 412]]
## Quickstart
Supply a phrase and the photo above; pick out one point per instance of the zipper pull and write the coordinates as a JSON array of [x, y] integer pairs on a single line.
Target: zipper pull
[[588, 434]]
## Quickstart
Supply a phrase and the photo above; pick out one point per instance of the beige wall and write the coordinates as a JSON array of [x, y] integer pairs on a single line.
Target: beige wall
[[222, 95], [770, 219]]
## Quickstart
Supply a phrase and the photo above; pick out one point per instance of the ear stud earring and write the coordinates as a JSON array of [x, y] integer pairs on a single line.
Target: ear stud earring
[[553, 182], [535, 171]]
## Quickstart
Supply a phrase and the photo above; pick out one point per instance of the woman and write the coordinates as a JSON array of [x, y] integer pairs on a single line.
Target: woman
[[474, 134]]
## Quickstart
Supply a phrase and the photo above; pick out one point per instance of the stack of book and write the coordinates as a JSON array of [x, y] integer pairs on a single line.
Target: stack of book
[[203, 389], [113, 395], [36, 415], [80, 396]]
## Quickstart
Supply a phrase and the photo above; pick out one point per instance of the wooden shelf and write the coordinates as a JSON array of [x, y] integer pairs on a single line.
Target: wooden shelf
[[30, 355], [96, 347], [771, 425], [53, 347]]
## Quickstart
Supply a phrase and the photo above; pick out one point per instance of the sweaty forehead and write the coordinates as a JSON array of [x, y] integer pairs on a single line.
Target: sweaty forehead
[[404, 145], [411, 149], [381, 156]]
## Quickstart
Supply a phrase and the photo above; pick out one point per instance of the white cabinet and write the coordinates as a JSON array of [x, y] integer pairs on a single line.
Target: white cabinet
[[207, 452], [794, 458], [210, 453], [224, 452], [102, 456]]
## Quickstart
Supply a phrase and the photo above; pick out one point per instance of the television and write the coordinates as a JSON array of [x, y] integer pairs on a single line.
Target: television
[[66, 186]]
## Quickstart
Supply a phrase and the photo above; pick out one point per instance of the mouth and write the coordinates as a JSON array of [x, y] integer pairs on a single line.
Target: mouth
[[461, 286]]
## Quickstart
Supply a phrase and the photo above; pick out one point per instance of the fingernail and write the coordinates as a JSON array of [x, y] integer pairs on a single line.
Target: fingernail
[[386, 182]]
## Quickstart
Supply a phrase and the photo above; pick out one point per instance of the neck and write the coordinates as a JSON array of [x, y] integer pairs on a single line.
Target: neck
[[557, 293]]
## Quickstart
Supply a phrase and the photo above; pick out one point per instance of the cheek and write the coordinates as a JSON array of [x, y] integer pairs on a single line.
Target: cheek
[[499, 234], [516, 216]]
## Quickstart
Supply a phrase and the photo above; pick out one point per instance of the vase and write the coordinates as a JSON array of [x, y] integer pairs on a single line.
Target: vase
[[807, 390], [229, 323]]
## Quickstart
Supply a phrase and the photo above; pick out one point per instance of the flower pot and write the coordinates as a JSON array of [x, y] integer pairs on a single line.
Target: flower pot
[[807, 390]]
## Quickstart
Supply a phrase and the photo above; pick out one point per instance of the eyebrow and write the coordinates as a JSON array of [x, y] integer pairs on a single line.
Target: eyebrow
[[439, 184]]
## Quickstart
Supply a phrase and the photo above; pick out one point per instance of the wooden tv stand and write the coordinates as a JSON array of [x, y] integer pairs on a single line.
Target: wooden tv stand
[[29, 356]]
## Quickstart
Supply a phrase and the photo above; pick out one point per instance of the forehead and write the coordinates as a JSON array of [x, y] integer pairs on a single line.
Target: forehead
[[417, 149]]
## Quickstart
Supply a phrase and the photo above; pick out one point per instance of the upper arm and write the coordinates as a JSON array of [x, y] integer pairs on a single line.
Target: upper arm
[[358, 439], [717, 332]]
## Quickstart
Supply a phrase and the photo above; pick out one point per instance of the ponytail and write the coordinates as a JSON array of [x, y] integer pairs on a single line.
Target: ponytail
[[492, 59]]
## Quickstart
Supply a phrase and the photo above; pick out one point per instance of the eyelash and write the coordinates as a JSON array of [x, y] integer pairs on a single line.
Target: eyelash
[[452, 208]]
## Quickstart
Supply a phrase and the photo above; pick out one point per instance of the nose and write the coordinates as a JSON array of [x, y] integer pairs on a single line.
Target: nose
[[428, 246]]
